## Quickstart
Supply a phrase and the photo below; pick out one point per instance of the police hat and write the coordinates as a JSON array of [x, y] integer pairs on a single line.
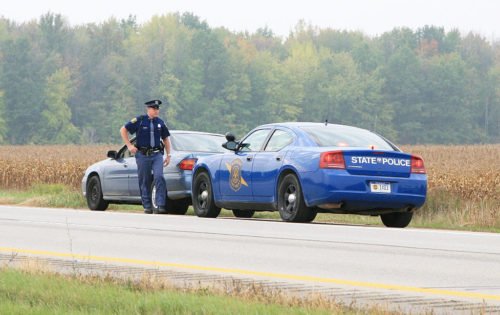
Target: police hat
[[153, 103]]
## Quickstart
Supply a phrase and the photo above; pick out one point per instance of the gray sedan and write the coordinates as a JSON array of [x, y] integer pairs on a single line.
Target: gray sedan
[[114, 180]]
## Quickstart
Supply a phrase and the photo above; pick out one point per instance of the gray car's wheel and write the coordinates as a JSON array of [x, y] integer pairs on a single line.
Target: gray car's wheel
[[243, 213], [203, 198], [397, 219], [291, 205], [179, 206], [95, 200]]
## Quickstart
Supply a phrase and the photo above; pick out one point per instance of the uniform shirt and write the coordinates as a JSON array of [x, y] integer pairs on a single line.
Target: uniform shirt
[[141, 126]]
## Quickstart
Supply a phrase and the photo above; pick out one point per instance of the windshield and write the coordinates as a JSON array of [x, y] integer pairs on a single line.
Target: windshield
[[344, 136], [197, 142]]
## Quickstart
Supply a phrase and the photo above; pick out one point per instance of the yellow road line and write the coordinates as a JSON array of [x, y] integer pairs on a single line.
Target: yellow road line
[[255, 273]]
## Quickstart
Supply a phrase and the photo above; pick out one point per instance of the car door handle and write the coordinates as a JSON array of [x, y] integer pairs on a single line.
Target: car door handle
[[278, 158], [125, 165], [249, 158]]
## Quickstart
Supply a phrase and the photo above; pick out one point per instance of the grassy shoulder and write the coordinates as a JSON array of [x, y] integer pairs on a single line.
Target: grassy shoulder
[[37, 292], [442, 210]]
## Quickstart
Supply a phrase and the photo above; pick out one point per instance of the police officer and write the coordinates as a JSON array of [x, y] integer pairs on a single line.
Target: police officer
[[152, 136]]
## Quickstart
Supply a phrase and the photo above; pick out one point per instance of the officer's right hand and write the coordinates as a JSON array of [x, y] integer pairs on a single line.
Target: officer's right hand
[[132, 148]]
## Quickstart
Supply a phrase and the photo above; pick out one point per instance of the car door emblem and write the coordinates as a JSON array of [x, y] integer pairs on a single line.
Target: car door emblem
[[235, 178]]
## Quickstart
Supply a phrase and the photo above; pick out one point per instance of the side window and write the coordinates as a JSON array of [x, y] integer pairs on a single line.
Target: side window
[[279, 140], [255, 140]]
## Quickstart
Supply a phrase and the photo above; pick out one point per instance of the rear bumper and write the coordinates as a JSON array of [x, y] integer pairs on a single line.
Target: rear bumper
[[352, 192]]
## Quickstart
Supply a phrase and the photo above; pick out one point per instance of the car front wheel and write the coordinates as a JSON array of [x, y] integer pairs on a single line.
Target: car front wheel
[[397, 219], [291, 205], [203, 198], [95, 201]]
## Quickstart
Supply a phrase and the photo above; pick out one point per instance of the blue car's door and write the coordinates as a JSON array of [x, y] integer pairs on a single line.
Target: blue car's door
[[235, 181], [267, 164]]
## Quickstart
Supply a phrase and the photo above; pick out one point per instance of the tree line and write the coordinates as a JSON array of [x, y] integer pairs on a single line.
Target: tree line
[[79, 84]]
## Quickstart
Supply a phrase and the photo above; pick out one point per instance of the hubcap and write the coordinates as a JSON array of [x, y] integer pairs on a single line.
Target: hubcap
[[153, 197], [290, 198], [94, 193], [204, 195]]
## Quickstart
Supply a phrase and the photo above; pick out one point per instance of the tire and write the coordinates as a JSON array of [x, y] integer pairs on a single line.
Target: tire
[[311, 216], [243, 213], [179, 206], [397, 219], [95, 200], [203, 197], [293, 210]]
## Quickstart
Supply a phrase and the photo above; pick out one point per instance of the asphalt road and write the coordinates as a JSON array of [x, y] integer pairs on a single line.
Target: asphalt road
[[456, 265]]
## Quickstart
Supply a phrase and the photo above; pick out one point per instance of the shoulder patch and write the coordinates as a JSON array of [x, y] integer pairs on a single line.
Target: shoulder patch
[[133, 120]]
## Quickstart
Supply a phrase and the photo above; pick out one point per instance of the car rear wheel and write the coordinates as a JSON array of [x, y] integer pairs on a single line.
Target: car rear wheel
[[179, 206], [397, 219], [291, 205], [243, 213], [203, 198], [95, 200]]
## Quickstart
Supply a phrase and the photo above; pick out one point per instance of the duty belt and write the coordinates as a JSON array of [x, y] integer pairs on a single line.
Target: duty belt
[[149, 151]]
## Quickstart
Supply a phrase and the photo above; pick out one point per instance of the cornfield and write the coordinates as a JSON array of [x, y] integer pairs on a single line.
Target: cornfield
[[23, 166], [471, 172]]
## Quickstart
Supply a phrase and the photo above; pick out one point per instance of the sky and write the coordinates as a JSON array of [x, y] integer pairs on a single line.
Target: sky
[[372, 17]]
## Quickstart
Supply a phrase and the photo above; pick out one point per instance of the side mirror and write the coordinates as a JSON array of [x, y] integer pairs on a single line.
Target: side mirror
[[230, 137], [230, 145], [113, 154]]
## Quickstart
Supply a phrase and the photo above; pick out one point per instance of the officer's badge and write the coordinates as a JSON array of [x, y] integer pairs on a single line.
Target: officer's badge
[[133, 120], [235, 178]]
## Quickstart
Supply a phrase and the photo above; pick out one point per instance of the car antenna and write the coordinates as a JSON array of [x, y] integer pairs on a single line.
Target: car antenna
[[327, 116]]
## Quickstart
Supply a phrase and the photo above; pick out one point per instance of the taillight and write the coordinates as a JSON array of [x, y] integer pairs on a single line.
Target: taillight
[[417, 165], [187, 164], [332, 159]]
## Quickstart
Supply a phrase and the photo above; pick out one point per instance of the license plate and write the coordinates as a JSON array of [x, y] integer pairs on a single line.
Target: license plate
[[377, 187]]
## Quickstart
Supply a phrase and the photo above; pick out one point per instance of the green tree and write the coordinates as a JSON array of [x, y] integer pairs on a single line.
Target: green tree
[[55, 118], [23, 88], [3, 127]]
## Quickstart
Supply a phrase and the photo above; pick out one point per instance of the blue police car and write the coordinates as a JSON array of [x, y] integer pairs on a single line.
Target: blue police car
[[301, 169]]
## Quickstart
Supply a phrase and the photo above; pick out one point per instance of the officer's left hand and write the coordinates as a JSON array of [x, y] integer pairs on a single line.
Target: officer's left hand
[[166, 161]]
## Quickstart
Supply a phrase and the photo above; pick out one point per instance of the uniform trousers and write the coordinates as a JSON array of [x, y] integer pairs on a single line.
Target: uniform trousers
[[145, 165]]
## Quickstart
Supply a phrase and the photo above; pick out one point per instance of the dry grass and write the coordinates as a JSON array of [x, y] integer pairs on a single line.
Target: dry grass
[[243, 291]]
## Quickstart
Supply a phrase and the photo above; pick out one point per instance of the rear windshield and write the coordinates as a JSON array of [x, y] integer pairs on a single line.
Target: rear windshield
[[197, 142], [343, 136]]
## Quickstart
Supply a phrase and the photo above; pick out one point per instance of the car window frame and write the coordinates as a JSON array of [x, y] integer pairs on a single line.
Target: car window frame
[[264, 143]]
